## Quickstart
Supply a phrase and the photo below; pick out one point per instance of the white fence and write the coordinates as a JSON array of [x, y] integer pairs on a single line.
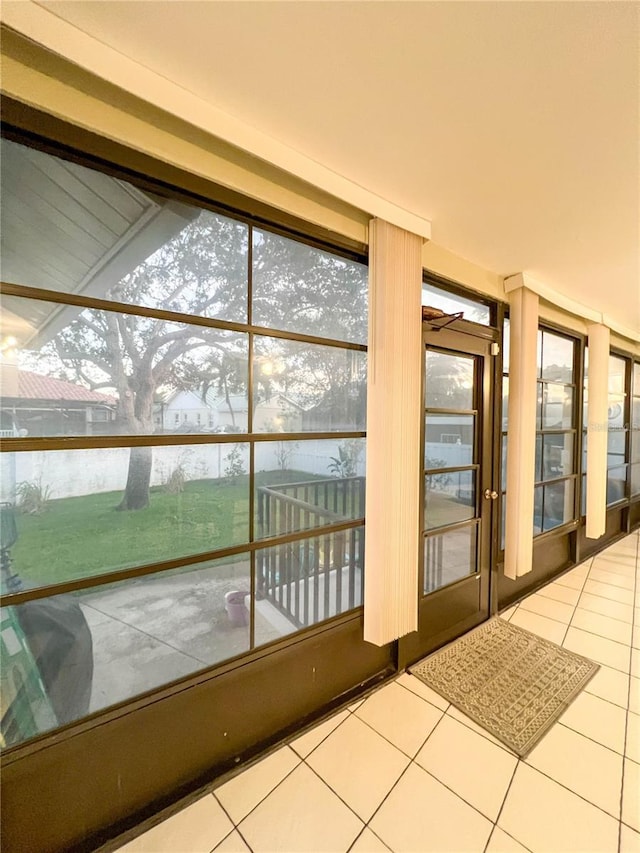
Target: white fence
[[73, 473]]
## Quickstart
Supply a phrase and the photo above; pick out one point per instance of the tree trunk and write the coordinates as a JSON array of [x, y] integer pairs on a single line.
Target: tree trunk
[[136, 493]]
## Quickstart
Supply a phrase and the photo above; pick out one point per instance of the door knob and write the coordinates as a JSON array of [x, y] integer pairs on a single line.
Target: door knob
[[490, 495]]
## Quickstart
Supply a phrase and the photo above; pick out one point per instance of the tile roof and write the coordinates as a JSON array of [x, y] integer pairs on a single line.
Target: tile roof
[[34, 386]]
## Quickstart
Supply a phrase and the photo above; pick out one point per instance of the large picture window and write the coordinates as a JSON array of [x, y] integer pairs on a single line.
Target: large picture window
[[556, 435], [182, 413], [635, 431]]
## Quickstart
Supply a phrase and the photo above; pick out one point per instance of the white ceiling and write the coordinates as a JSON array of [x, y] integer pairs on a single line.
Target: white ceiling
[[513, 126]]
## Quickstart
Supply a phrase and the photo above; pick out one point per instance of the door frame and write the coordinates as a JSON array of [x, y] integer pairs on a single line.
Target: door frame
[[418, 644]]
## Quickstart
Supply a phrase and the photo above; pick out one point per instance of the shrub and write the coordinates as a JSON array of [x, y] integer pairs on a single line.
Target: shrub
[[32, 497]]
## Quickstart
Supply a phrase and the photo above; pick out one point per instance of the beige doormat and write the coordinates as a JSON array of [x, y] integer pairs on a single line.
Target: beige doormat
[[512, 683]]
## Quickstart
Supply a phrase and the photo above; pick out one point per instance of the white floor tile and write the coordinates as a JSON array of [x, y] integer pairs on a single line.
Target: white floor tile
[[307, 742], [420, 814], [558, 592], [605, 590], [367, 842], [632, 749], [456, 714], [635, 663], [575, 579], [544, 816], [598, 649], [400, 716], [604, 626], [468, 764], [635, 639], [359, 765], [587, 768], [631, 795], [415, 685], [244, 792], [610, 684], [606, 607], [629, 840], [198, 828], [621, 563], [548, 607], [546, 628], [500, 842], [597, 719], [508, 613], [301, 816], [634, 695], [233, 843], [355, 705], [610, 578]]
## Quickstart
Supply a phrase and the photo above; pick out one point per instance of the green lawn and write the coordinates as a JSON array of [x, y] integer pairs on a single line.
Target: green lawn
[[78, 537]]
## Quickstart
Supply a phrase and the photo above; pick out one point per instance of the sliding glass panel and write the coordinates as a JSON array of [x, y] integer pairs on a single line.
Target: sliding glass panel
[[69, 507], [558, 504], [616, 480], [449, 440], [449, 557], [635, 479], [557, 358], [306, 290], [448, 381], [70, 655], [557, 406], [75, 230], [99, 372], [450, 303], [449, 498], [304, 484], [558, 455], [300, 387], [303, 582]]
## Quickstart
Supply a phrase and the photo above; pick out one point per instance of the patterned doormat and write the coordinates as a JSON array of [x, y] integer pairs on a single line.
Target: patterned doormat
[[512, 683]]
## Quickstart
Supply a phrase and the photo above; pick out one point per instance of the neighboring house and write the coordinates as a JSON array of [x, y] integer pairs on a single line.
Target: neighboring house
[[42, 405], [278, 413], [184, 410]]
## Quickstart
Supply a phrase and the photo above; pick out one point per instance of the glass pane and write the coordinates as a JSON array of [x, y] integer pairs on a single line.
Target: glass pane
[[450, 303], [448, 440], [636, 379], [85, 512], [71, 229], [78, 653], [304, 484], [635, 414], [301, 387], [635, 479], [506, 345], [558, 504], [448, 381], [557, 406], [557, 358], [558, 456], [617, 372], [538, 459], [449, 498], [583, 502], [616, 482], [635, 445], [616, 447], [104, 373], [306, 290], [505, 402], [537, 510], [504, 462], [449, 557], [304, 582]]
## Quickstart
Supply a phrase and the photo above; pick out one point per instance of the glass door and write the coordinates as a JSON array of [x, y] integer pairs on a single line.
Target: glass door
[[459, 502]]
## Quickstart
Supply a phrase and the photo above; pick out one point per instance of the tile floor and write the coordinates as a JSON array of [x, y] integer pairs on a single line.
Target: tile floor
[[403, 770]]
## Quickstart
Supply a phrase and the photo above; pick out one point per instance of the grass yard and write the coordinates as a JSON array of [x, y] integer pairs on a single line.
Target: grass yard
[[81, 536]]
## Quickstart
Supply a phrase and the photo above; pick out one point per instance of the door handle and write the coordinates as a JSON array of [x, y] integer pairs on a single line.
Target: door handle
[[490, 495]]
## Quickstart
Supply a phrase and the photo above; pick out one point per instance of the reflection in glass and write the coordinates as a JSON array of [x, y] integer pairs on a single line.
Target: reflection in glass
[[448, 440], [448, 381], [553, 505], [81, 652], [635, 479], [616, 447], [635, 414], [635, 445], [449, 557], [617, 373], [307, 581], [557, 459], [450, 303], [504, 462], [85, 512], [616, 481], [505, 402], [300, 387], [636, 379], [307, 290], [557, 358], [106, 373], [68, 228], [449, 498], [304, 484], [556, 405]]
